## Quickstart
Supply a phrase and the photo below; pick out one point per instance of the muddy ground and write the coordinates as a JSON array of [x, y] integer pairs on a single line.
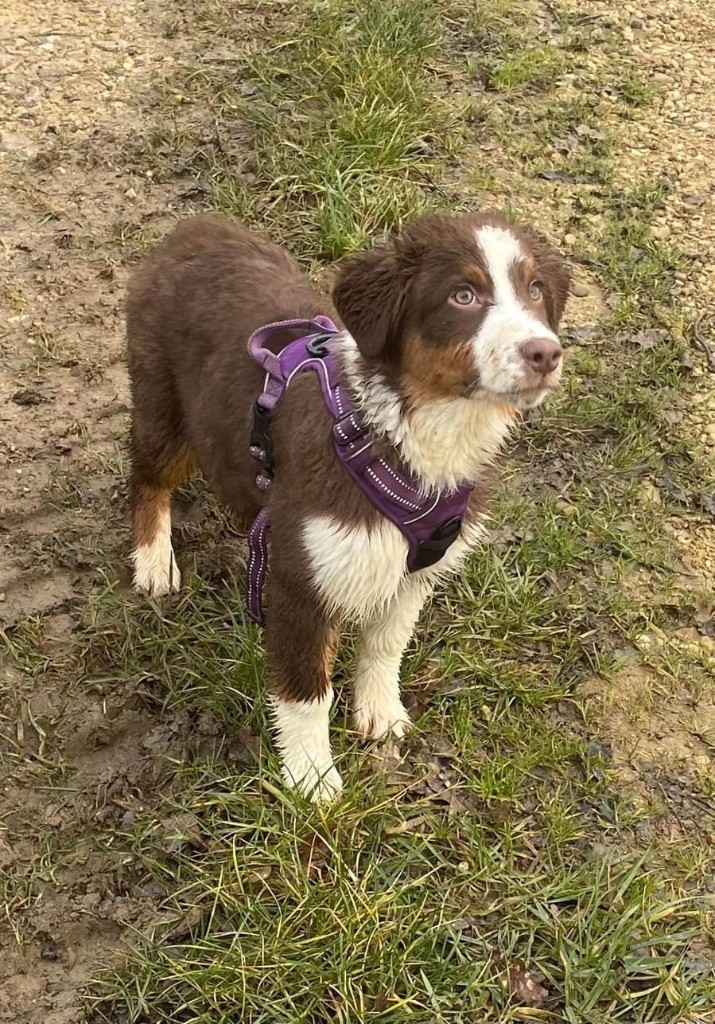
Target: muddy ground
[[76, 81]]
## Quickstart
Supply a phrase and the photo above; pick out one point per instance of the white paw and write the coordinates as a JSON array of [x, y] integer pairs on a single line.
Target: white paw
[[320, 783], [155, 572], [375, 719]]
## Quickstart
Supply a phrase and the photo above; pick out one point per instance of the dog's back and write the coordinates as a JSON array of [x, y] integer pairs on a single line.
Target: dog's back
[[206, 288], [191, 308]]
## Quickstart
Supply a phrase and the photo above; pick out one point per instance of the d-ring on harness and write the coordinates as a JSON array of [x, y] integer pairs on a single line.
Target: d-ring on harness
[[430, 523]]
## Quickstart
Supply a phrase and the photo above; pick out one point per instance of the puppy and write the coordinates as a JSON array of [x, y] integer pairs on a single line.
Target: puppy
[[448, 333]]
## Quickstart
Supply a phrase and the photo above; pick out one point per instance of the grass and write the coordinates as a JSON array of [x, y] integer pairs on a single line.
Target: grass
[[537, 67], [506, 843], [345, 151]]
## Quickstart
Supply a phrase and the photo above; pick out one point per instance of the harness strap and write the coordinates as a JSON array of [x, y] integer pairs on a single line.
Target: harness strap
[[257, 562], [430, 522], [278, 366]]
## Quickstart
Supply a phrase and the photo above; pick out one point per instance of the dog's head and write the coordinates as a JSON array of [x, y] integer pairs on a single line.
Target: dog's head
[[464, 305]]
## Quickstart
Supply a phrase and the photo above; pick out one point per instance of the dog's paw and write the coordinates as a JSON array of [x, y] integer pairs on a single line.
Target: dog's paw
[[154, 575], [320, 783], [375, 720]]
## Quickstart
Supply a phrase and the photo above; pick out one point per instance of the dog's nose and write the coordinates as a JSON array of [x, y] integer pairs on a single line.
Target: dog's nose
[[541, 355]]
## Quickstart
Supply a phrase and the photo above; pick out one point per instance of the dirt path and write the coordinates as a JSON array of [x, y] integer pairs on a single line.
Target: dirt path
[[76, 79], [673, 140], [72, 193], [75, 206]]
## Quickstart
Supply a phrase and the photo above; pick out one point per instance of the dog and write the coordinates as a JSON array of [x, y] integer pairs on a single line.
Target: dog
[[448, 333]]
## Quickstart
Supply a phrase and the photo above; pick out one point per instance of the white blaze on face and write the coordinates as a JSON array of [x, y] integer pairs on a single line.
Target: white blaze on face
[[508, 324]]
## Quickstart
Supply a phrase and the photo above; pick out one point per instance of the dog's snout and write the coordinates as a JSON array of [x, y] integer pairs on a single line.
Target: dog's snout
[[541, 355]]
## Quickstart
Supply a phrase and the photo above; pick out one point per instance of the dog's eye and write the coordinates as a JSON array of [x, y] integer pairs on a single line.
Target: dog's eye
[[464, 296], [535, 290]]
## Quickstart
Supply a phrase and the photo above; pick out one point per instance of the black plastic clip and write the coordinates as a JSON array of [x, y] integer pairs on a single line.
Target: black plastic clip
[[433, 548]]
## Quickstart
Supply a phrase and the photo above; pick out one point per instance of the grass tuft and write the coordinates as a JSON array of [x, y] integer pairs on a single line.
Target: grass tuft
[[345, 126]]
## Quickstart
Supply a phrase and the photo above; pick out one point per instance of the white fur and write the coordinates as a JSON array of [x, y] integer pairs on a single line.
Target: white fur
[[361, 574], [507, 325], [155, 568], [378, 710], [303, 741], [444, 442], [358, 572]]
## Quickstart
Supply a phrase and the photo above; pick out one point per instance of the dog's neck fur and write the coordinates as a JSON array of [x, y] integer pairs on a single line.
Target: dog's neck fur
[[445, 443]]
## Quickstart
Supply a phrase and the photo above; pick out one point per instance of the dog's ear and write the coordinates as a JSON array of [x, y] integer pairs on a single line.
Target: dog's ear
[[554, 275], [369, 295]]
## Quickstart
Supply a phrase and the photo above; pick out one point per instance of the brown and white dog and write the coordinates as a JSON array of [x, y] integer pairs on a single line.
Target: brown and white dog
[[449, 334]]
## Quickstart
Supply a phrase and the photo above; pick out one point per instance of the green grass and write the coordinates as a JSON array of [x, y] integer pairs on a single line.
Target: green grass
[[505, 839], [345, 127], [397, 913], [537, 67], [636, 265]]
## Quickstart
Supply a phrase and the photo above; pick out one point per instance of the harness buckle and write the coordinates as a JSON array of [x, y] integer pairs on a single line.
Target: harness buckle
[[433, 548], [261, 446]]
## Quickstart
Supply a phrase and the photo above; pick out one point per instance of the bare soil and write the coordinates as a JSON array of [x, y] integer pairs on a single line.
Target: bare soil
[[76, 85]]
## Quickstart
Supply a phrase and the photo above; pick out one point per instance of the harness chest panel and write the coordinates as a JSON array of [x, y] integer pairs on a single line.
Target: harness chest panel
[[429, 522]]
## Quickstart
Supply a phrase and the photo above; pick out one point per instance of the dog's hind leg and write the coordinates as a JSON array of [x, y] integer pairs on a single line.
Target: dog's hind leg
[[155, 568], [378, 709], [161, 460]]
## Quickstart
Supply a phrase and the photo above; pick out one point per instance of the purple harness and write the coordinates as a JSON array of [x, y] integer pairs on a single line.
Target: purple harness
[[430, 523]]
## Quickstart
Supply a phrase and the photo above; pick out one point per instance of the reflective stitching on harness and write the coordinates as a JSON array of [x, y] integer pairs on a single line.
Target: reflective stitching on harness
[[256, 541], [383, 486], [399, 479], [359, 451]]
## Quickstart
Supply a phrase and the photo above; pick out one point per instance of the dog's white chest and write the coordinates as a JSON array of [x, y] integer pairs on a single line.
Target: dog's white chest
[[358, 570]]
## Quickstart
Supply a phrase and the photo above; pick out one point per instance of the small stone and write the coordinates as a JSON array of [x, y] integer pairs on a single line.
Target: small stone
[[649, 494], [130, 193], [570, 239], [2, 598], [580, 290], [710, 430], [660, 232]]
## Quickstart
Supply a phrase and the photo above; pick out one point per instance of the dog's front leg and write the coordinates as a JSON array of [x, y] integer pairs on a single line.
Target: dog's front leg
[[300, 645], [378, 710]]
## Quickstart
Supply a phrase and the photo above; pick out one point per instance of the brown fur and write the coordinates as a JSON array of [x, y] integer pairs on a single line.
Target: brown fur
[[148, 503]]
